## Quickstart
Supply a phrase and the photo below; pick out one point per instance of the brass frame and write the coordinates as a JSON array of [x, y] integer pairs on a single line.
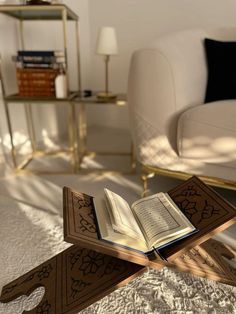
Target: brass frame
[[66, 14], [9, 9], [72, 131], [77, 136], [106, 95], [150, 172], [83, 152]]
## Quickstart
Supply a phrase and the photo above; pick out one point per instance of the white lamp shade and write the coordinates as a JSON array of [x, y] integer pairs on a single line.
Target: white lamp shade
[[107, 42]]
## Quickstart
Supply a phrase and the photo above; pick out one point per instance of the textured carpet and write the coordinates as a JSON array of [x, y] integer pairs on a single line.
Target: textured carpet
[[31, 232], [168, 291]]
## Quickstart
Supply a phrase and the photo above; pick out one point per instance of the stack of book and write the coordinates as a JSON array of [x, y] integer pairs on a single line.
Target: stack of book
[[36, 72]]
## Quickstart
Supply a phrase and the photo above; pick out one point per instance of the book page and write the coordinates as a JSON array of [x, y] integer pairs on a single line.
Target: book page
[[106, 231], [121, 216], [160, 218]]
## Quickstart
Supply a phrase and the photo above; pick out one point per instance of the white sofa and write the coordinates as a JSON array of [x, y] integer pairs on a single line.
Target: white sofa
[[174, 132]]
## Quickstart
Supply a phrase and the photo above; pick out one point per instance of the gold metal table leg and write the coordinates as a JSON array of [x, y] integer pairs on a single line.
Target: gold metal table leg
[[22, 42], [73, 135], [30, 126], [144, 177], [64, 26], [13, 149], [73, 127], [82, 132], [133, 158], [75, 132], [77, 33]]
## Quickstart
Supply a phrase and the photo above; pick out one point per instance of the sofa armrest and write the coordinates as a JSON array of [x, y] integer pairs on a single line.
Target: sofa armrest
[[208, 133], [151, 99]]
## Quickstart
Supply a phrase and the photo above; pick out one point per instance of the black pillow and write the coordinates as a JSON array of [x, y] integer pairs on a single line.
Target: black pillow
[[221, 62]]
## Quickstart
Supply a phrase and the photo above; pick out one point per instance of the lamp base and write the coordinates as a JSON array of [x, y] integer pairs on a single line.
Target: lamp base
[[106, 96]]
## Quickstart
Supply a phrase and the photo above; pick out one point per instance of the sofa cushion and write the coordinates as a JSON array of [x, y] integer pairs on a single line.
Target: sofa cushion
[[208, 133], [221, 64]]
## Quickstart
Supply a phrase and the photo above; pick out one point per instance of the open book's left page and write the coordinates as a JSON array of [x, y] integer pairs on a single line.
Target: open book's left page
[[121, 215], [130, 238]]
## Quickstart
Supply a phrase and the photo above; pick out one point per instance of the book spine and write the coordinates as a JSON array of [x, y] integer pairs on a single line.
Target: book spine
[[158, 253], [35, 53], [36, 94], [23, 65], [32, 59], [56, 65], [38, 59], [40, 53], [36, 83], [32, 89], [37, 71], [29, 74]]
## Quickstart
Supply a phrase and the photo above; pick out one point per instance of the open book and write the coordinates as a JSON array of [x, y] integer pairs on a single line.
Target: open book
[[148, 224]]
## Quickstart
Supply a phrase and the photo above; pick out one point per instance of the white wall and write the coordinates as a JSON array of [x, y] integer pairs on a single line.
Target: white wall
[[139, 22]]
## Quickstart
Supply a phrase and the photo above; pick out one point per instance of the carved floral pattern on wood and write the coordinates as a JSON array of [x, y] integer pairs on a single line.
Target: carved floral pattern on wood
[[72, 280]]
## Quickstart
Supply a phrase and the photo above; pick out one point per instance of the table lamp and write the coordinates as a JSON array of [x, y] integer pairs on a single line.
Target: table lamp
[[106, 46]]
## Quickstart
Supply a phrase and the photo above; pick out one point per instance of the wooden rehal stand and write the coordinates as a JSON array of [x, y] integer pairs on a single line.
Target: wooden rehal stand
[[92, 268], [73, 280]]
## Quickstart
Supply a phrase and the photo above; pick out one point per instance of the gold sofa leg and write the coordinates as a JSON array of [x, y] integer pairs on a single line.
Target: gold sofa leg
[[149, 172], [144, 178]]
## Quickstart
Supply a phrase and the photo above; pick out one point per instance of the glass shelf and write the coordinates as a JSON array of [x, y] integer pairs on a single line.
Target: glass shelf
[[38, 12], [16, 98], [120, 100]]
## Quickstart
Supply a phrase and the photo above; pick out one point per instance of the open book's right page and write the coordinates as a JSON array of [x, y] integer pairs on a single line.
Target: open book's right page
[[160, 220]]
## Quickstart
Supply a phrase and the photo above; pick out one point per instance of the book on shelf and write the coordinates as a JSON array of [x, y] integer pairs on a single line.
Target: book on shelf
[[40, 59], [32, 89], [24, 74], [23, 65], [148, 225], [44, 83], [37, 71], [39, 53]]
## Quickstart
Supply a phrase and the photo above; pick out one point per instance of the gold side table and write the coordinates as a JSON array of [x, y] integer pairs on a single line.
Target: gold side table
[[82, 103], [72, 130], [57, 12]]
